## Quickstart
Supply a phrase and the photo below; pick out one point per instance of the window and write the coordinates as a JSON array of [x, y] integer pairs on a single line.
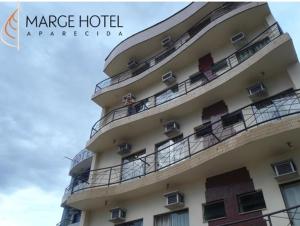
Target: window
[[284, 104], [287, 103], [214, 210], [81, 178], [291, 195], [197, 78], [179, 218], [244, 54], [198, 27], [138, 107], [219, 66], [166, 95], [231, 119], [164, 54], [265, 110], [251, 201], [133, 165], [76, 217], [132, 223], [170, 151], [203, 130], [141, 69]]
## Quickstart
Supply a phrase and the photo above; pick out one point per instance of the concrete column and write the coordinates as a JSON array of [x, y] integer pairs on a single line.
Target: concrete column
[[94, 161], [84, 218], [294, 73]]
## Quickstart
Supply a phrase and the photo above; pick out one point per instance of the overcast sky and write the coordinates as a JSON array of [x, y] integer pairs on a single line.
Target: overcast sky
[[46, 112]]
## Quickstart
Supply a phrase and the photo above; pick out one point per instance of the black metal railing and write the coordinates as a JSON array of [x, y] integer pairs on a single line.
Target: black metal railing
[[65, 222], [209, 134], [285, 217], [195, 81], [81, 156], [150, 62]]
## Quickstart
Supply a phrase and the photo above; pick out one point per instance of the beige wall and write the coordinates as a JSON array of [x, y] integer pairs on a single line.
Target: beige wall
[[153, 204], [294, 73]]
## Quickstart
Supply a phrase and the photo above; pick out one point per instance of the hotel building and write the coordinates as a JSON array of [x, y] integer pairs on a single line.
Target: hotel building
[[200, 125]]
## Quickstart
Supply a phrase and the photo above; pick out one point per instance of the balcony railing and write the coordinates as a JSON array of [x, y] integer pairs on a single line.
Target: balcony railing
[[81, 156], [148, 63], [68, 222], [195, 81], [285, 217], [209, 134]]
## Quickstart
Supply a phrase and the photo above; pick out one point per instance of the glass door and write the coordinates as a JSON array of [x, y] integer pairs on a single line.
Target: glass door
[[291, 195], [133, 166], [170, 151]]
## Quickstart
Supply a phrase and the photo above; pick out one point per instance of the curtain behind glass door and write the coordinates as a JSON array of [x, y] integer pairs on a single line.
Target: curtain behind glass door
[[133, 166], [291, 194]]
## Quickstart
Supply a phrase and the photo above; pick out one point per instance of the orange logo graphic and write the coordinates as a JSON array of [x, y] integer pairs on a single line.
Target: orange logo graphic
[[10, 32]]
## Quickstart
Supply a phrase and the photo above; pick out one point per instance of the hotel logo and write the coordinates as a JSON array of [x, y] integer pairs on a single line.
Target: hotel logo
[[10, 32]]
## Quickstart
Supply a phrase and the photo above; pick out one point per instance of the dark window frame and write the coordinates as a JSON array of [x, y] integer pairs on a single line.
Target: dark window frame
[[247, 194], [213, 203], [197, 77], [232, 119], [131, 222], [220, 65], [203, 130]]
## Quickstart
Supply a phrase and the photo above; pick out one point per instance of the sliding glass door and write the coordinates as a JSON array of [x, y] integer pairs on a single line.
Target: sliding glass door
[[291, 195], [133, 166], [179, 218]]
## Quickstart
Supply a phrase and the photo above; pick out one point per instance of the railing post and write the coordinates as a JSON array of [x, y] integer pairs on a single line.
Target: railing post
[[72, 187], [109, 176], [229, 62], [185, 87], [113, 116], [244, 122], [270, 220], [189, 147]]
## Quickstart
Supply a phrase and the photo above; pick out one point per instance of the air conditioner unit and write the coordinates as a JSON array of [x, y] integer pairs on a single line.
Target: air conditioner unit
[[237, 38], [132, 63], [117, 215], [257, 90], [174, 200], [171, 128], [166, 42], [124, 148], [285, 170], [168, 78], [128, 99]]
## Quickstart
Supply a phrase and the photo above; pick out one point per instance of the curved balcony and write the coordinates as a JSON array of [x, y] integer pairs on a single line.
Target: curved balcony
[[81, 161], [151, 36], [185, 87], [274, 108], [184, 38], [67, 193], [288, 216]]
